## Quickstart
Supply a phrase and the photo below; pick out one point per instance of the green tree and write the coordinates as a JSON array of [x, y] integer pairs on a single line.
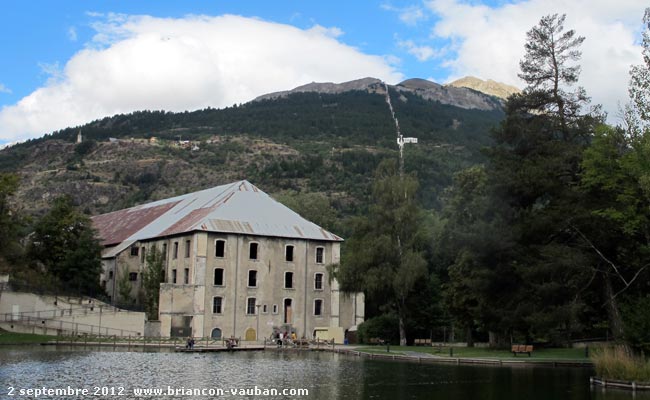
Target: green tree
[[10, 221], [638, 112], [314, 207], [547, 69], [530, 199], [616, 180], [64, 242], [385, 255], [124, 287], [153, 274], [471, 245]]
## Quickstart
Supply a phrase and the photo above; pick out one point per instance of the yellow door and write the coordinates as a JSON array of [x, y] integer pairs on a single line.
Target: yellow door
[[250, 335]]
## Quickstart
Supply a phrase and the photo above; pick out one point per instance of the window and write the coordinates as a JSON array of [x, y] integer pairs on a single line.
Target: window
[[218, 277], [318, 307], [288, 253], [110, 275], [318, 282], [275, 308], [220, 248], [186, 276], [175, 255], [217, 304], [187, 248], [133, 276], [142, 255], [288, 280], [173, 276], [319, 255], [134, 251], [265, 309], [252, 251], [250, 306], [164, 252], [252, 278]]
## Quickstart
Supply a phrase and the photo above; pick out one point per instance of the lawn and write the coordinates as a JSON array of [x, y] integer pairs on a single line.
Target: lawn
[[482, 352], [22, 338]]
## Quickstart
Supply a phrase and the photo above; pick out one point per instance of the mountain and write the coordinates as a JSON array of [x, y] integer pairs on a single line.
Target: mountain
[[490, 87], [428, 90], [321, 138]]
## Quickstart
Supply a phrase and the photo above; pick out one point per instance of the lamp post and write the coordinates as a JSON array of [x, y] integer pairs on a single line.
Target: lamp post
[[257, 331]]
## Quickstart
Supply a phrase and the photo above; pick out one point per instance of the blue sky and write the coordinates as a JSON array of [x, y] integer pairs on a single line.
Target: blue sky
[[65, 63]]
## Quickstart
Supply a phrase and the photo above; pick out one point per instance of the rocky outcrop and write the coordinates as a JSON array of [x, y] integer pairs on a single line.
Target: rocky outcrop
[[459, 97], [493, 88]]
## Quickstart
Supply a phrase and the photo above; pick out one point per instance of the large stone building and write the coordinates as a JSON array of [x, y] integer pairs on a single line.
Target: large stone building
[[237, 263]]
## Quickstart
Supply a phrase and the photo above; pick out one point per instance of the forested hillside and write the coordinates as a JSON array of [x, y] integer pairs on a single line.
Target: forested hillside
[[303, 143]]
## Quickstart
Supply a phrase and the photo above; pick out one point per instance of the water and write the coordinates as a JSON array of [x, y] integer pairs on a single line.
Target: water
[[327, 376]]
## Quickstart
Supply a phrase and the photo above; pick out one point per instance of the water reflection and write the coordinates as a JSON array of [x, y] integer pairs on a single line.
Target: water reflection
[[326, 375]]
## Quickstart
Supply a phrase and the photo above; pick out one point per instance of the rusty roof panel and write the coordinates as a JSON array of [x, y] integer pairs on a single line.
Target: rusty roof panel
[[117, 226], [239, 207]]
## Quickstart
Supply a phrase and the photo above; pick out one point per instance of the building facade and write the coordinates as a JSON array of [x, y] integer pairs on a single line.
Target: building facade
[[236, 263]]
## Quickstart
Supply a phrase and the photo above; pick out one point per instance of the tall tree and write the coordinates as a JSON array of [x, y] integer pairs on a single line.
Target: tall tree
[[533, 173], [616, 180], [638, 112], [64, 242], [472, 244], [385, 255], [547, 69], [124, 287], [151, 278]]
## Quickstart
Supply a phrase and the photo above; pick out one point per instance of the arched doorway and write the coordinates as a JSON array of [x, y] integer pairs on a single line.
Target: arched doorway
[[216, 333], [250, 335]]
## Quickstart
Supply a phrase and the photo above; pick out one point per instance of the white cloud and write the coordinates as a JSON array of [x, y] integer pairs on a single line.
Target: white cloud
[[4, 89], [411, 15], [72, 34], [489, 42], [422, 53], [142, 62]]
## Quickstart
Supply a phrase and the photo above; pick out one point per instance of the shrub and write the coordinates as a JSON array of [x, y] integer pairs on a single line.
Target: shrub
[[618, 363], [385, 326]]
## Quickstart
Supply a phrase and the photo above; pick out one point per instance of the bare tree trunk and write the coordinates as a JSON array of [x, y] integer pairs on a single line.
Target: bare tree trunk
[[401, 311], [613, 313], [402, 331], [470, 339]]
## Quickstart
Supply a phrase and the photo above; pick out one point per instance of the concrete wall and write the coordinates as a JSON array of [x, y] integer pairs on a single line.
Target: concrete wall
[[152, 328], [66, 314]]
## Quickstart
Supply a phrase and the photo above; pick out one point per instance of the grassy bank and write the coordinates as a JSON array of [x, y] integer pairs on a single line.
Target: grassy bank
[[22, 338], [616, 363], [482, 352]]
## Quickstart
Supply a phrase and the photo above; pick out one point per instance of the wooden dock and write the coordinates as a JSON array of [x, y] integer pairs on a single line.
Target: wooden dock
[[216, 349]]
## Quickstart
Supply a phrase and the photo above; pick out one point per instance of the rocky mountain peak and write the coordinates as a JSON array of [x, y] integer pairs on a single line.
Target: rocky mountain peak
[[490, 87], [451, 95]]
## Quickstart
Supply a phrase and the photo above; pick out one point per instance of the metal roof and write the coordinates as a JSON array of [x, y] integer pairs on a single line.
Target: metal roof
[[239, 207]]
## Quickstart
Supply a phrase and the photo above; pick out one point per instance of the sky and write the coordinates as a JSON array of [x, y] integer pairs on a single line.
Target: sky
[[69, 62]]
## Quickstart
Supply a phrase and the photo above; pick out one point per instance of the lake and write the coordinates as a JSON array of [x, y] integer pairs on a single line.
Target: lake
[[30, 371]]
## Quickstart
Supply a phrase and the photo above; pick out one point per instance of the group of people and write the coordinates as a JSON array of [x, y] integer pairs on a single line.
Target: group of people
[[190, 343], [284, 338]]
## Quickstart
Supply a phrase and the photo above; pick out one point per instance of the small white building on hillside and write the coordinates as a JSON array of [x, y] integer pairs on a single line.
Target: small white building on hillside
[[237, 263]]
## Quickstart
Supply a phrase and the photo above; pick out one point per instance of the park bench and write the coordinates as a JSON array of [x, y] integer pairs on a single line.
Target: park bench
[[521, 348], [422, 342], [376, 340]]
